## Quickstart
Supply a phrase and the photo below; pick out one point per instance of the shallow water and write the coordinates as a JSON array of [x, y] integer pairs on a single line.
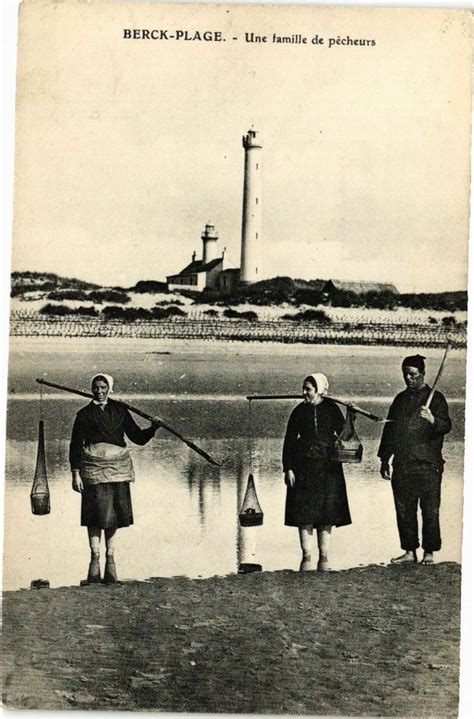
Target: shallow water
[[185, 513], [185, 510]]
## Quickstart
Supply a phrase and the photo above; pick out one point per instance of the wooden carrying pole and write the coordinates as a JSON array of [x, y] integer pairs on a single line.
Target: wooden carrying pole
[[363, 412], [135, 410]]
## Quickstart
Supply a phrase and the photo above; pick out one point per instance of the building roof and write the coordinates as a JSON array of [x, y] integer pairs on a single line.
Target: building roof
[[317, 285], [360, 287], [197, 266], [231, 271]]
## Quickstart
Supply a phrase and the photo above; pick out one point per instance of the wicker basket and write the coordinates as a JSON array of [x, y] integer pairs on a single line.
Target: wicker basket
[[348, 447], [40, 503], [348, 454]]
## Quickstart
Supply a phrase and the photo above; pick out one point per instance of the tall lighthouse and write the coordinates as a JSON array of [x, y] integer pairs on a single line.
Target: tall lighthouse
[[251, 209]]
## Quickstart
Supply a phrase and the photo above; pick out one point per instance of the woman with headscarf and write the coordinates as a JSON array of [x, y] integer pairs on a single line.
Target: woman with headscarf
[[102, 470], [316, 489]]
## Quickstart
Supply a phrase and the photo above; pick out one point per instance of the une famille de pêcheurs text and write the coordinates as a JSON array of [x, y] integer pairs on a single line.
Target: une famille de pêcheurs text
[[247, 37]]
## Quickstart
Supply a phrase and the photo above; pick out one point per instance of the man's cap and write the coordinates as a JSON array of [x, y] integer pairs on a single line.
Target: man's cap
[[417, 361]]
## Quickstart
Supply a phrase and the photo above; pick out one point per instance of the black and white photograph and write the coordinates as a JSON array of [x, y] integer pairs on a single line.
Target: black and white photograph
[[237, 328]]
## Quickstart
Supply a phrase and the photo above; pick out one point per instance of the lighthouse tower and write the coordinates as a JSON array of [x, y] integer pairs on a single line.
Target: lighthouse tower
[[209, 239], [251, 209]]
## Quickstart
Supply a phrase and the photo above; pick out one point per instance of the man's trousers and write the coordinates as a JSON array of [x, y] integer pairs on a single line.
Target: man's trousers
[[418, 483]]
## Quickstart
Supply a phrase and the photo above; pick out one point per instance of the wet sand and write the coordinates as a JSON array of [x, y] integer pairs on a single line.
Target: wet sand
[[377, 640]]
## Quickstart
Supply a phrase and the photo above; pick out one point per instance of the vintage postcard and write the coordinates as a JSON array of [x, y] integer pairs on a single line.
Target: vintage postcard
[[235, 439]]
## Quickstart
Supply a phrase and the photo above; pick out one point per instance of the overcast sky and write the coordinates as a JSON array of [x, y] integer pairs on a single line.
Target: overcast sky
[[125, 149]]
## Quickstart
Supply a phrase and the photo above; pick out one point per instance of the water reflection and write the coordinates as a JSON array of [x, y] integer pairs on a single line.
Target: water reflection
[[186, 514], [203, 480]]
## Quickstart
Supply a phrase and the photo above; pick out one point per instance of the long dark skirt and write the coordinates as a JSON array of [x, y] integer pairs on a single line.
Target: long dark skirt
[[319, 496], [107, 506]]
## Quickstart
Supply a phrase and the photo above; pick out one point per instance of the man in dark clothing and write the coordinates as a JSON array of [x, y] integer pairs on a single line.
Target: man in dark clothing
[[414, 439]]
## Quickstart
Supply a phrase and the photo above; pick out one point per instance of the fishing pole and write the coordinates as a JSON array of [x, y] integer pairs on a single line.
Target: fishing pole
[[354, 408], [438, 376], [140, 413]]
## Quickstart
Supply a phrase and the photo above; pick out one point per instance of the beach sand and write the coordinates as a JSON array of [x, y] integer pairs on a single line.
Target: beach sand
[[374, 640]]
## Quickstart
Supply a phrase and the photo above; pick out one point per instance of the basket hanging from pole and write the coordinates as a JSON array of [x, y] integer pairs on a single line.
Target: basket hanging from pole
[[250, 514], [40, 501], [348, 447]]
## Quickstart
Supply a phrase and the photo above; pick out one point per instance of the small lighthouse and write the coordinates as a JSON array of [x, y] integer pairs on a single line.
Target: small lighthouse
[[251, 209], [209, 239]]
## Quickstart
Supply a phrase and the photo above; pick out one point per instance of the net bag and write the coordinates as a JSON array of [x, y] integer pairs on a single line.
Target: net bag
[[40, 491], [250, 514], [348, 446]]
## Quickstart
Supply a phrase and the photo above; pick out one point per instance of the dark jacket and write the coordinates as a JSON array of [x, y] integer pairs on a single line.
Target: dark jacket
[[301, 439], [410, 438], [110, 425]]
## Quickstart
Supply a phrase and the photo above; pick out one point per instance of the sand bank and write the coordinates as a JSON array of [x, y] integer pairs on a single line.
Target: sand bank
[[231, 347]]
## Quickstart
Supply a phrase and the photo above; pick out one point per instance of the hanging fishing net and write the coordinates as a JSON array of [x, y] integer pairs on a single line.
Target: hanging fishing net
[[348, 446], [250, 514], [39, 496]]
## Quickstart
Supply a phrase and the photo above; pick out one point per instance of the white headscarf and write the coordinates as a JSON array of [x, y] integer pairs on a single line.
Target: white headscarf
[[108, 378], [322, 383]]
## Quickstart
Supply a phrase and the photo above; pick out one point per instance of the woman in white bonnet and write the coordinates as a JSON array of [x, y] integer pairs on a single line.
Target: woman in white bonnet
[[102, 470], [316, 490]]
